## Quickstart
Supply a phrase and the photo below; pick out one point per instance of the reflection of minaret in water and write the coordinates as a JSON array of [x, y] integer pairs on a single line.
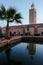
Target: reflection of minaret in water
[[32, 49]]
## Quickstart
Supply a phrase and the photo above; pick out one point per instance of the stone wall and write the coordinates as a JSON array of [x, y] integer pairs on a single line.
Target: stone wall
[[33, 29]]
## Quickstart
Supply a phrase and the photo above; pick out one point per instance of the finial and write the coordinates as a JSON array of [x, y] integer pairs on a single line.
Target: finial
[[32, 6]]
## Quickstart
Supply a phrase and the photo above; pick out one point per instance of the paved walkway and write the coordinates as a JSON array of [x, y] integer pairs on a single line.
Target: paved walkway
[[9, 41], [16, 39]]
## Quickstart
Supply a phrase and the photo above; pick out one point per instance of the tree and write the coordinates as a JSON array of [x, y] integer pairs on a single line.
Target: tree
[[0, 30], [9, 15]]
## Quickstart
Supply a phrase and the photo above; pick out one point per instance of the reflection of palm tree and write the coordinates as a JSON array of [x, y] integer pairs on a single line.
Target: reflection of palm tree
[[8, 51], [10, 61], [32, 49], [9, 15]]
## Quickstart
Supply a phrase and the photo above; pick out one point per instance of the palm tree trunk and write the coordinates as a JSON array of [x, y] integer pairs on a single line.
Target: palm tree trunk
[[7, 30]]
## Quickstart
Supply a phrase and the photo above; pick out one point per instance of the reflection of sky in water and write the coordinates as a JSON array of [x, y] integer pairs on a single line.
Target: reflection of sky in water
[[21, 53], [39, 53]]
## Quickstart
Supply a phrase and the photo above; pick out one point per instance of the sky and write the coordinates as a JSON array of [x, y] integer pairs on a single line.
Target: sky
[[23, 7]]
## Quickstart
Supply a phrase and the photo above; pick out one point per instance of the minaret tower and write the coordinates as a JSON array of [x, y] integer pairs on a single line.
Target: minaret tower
[[32, 15]]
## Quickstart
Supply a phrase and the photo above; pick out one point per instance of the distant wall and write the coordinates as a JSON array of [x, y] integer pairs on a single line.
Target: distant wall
[[17, 30], [33, 29], [40, 30]]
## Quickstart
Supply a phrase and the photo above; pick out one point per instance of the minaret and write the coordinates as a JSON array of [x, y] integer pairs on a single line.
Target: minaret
[[32, 15]]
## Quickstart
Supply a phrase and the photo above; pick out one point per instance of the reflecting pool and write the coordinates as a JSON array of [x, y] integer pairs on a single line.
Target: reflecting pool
[[22, 54]]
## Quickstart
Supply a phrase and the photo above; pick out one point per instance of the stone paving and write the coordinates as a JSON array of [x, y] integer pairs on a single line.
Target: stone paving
[[15, 39], [9, 41]]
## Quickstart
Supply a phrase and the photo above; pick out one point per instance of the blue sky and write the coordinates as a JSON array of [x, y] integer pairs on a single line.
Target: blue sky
[[23, 7]]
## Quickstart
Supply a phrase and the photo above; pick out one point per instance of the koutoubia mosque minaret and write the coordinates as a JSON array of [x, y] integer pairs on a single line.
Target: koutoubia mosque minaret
[[32, 15]]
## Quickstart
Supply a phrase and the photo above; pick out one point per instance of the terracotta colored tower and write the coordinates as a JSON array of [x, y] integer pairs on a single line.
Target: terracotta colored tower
[[32, 15]]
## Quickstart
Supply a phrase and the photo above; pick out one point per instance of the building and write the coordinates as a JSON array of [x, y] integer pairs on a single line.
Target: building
[[32, 28]]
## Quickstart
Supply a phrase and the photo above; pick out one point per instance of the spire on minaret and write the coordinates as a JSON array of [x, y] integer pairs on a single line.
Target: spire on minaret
[[32, 6]]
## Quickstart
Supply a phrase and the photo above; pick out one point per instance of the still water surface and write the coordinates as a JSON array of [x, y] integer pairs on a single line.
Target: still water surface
[[22, 54]]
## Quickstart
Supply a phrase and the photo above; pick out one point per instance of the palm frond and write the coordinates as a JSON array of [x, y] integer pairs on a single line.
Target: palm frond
[[3, 9], [0, 14], [18, 21], [11, 12], [18, 16]]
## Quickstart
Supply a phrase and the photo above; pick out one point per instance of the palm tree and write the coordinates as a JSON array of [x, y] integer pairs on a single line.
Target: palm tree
[[9, 15]]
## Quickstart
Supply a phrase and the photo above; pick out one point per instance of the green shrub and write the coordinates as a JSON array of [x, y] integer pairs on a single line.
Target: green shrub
[[2, 35], [37, 34]]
